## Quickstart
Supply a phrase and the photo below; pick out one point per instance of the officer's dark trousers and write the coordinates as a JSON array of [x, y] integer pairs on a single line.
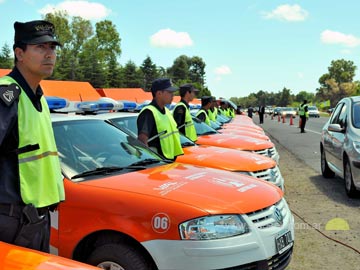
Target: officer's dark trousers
[[15, 229], [303, 122]]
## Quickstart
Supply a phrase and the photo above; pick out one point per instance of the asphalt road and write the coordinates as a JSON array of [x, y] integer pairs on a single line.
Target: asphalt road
[[306, 146]]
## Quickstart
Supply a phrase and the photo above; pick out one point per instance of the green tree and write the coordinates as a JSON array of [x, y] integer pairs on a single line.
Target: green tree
[[133, 77], [197, 71], [150, 72], [6, 60]]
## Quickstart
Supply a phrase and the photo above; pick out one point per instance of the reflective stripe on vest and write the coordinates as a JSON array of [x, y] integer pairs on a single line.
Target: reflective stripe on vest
[[207, 119], [41, 181], [302, 110], [169, 134], [190, 130]]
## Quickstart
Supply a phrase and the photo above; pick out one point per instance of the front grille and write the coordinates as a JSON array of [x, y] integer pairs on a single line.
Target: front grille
[[264, 218], [280, 261], [269, 152], [272, 175], [277, 262]]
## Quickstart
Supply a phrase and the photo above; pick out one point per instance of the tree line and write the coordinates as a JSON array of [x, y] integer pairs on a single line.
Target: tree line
[[91, 54]]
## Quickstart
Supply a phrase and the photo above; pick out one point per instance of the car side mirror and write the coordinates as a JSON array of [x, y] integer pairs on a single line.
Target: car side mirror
[[336, 128]]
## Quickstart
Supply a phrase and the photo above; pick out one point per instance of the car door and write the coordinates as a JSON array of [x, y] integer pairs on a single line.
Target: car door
[[336, 139]]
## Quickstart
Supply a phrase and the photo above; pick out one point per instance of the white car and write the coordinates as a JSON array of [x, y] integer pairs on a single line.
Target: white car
[[313, 111]]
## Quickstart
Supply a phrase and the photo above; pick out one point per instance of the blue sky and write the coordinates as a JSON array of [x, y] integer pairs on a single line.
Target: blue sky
[[247, 45]]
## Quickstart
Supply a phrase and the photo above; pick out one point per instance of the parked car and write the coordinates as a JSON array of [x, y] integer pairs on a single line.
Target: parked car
[[258, 166], [126, 208], [340, 144], [277, 111], [313, 111], [14, 257]]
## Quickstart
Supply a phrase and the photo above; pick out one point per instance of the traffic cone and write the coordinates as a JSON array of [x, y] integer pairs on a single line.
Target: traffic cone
[[291, 121], [283, 119], [299, 122]]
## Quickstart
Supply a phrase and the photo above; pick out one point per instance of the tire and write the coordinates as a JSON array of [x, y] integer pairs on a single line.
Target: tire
[[349, 182], [325, 170], [118, 256]]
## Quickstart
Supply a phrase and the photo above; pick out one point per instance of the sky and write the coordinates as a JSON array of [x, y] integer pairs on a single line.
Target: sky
[[247, 46]]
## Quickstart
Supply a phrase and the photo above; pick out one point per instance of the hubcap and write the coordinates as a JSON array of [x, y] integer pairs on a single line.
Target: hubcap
[[110, 266]]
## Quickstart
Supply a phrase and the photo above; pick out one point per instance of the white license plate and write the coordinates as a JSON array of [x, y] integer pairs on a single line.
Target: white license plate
[[283, 242]]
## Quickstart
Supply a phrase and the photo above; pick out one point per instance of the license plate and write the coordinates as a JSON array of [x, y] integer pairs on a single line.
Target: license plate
[[283, 242]]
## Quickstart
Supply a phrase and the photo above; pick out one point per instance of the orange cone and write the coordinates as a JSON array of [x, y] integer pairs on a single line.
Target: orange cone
[[299, 122], [283, 119], [291, 121]]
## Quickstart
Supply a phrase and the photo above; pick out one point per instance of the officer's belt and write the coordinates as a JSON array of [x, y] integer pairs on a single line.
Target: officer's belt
[[15, 210]]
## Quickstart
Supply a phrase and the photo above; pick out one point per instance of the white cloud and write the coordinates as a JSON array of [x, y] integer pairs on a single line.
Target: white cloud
[[85, 9], [290, 13], [222, 70], [167, 38], [333, 37], [300, 75]]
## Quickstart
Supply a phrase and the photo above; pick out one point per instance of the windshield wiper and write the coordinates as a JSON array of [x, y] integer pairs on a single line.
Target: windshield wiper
[[142, 163], [98, 171], [208, 132]]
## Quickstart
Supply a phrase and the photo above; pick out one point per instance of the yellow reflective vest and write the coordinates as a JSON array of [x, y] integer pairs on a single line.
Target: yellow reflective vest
[[190, 130], [167, 131], [41, 181]]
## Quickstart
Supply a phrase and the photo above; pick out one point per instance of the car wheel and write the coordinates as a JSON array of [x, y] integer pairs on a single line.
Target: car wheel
[[118, 256], [325, 170], [349, 182]]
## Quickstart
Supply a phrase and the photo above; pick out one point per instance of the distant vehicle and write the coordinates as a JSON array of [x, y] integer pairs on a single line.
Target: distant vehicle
[[288, 112], [340, 144], [330, 110], [269, 109], [313, 111], [277, 110]]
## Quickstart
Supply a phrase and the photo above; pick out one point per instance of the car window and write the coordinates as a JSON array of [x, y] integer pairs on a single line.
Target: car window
[[343, 116], [335, 115], [356, 115]]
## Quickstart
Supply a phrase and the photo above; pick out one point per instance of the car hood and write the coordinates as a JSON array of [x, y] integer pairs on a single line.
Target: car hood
[[236, 160], [249, 133], [234, 142], [209, 189]]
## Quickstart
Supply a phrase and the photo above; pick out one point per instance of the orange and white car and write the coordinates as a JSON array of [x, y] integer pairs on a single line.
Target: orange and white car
[[245, 162], [126, 208], [13, 257], [209, 136]]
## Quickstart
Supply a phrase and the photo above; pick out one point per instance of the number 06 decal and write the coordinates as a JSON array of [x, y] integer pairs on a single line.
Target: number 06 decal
[[160, 223]]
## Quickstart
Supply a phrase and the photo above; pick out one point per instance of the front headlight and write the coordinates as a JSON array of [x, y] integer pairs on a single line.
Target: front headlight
[[356, 146], [213, 227]]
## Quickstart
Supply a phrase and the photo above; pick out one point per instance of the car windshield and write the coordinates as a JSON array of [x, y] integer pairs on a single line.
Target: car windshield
[[313, 108], [92, 147], [202, 128], [287, 109], [356, 114]]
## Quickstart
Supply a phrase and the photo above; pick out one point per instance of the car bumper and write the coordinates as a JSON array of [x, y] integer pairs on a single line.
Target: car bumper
[[256, 248]]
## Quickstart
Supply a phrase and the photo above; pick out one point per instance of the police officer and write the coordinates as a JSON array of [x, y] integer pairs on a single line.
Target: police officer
[[213, 110], [156, 125], [304, 115], [182, 114], [202, 114], [31, 183]]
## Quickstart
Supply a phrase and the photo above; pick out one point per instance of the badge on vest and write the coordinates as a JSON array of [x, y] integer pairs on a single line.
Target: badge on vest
[[9, 93]]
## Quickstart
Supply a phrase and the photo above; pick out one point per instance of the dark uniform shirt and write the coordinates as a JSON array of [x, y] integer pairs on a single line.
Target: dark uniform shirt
[[179, 116], [9, 141], [202, 115], [146, 124]]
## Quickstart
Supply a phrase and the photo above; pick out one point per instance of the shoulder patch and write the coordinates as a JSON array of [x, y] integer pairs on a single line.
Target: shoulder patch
[[9, 93]]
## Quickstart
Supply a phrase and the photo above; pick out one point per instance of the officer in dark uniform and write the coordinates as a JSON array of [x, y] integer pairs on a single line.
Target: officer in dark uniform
[[155, 123], [182, 114], [31, 183], [202, 114]]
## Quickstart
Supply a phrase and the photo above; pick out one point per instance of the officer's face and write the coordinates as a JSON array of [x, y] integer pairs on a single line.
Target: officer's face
[[37, 60]]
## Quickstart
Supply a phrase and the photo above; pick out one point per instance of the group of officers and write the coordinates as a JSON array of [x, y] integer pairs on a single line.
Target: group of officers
[[159, 128], [31, 183]]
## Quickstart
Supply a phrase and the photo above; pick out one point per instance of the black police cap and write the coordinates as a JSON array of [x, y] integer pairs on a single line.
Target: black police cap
[[162, 84], [34, 32]]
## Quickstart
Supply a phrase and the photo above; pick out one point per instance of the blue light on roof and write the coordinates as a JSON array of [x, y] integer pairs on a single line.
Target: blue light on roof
[[128, 105], [56, 103]]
